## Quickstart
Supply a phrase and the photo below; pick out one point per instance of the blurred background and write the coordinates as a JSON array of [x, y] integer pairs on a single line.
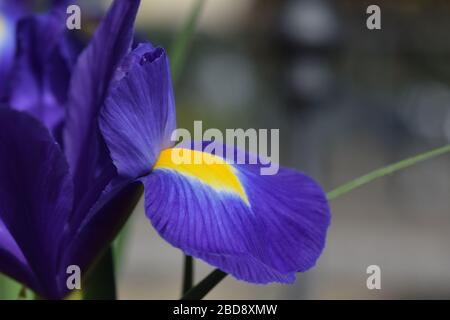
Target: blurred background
[[347, 100]]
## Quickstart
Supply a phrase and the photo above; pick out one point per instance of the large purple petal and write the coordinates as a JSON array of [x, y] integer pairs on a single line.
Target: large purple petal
[[36, 194], [258, 228], [138, 117], [92, 75]]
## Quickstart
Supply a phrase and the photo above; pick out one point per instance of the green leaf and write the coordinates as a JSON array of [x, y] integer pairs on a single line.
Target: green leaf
[[101, 283], [120, 243], [9, 289], [182, 41]]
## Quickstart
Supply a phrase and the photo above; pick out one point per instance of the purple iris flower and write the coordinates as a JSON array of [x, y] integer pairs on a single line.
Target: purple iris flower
[[74, 156], [61, 200]]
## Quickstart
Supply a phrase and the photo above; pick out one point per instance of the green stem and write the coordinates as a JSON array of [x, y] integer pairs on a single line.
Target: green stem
[[358, 182], [182, 41], [205, 286], [188, 277], [102, 282], [214, 278]]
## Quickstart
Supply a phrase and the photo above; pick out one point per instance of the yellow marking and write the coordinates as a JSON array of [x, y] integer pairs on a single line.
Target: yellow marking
[[209, 169]]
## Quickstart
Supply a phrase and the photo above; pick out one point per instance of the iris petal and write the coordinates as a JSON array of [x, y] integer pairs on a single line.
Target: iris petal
[[10, 13], [139, 114], [84, 147], [36, 194], [12, 260], [40, 77], [258, 228]]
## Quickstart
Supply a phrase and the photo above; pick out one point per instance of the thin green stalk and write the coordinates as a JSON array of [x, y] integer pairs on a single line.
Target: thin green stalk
[[358, 182], [214, 278], [205, 286], [102, 282], [188, 274], [182, 41]]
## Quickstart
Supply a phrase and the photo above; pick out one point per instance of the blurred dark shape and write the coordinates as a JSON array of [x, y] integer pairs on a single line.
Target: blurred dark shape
[[311, 78], [309, 22], [310, 35]]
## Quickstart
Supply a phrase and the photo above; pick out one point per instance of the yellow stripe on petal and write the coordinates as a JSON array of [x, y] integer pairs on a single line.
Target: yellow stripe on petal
[[211, 170]]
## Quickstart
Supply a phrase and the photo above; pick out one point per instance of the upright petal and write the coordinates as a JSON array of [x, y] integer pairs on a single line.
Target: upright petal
[[36, 194], [258, 228], [40, 79], [91, 78], [138, 117], [10, 13]]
